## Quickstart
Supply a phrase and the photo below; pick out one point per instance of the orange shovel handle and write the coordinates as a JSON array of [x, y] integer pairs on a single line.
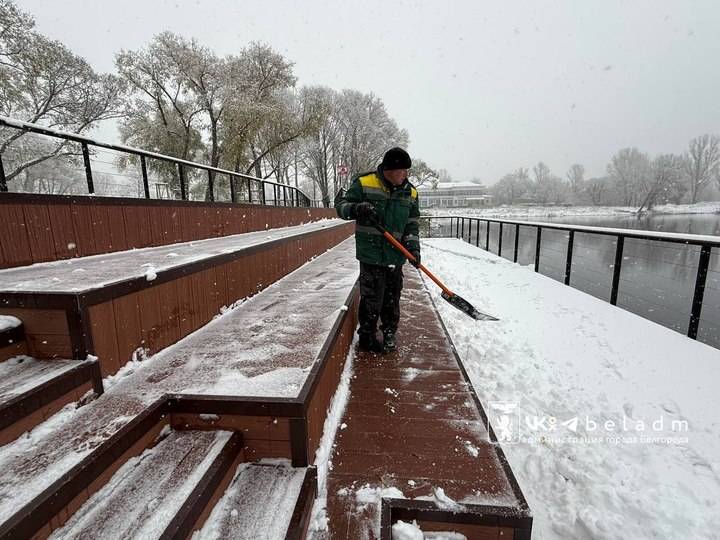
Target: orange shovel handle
[[390, 238]]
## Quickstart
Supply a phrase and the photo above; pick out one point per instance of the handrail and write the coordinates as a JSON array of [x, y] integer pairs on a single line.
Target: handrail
[[706, 243], [694, 239], [87, 141]]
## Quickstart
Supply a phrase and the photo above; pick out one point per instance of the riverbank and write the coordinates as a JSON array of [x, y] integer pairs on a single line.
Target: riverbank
[[565, 211]]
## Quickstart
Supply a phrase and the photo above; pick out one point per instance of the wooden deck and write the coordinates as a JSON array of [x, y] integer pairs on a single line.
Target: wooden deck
[[413, 423]]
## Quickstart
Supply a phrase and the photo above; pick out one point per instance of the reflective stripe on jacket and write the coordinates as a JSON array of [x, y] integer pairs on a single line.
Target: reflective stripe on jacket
[[398, 209]]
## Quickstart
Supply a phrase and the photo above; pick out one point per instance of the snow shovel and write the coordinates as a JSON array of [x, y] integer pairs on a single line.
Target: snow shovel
[[456, 301]]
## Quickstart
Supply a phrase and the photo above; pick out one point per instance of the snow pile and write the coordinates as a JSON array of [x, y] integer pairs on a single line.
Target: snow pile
[[407, 531], [8, 321], [442, 501], [610, 421]]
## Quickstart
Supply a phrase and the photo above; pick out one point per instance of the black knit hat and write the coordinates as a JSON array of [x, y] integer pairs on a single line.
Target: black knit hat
[[396, 158]]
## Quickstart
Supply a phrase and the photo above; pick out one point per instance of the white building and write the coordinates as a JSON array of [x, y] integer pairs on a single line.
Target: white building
[[454, 194]]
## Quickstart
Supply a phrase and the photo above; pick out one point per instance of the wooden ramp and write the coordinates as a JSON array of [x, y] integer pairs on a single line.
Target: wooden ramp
[[414, 442]]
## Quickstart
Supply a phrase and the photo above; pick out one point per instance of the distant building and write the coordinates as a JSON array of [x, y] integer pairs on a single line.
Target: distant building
[[454, 195]]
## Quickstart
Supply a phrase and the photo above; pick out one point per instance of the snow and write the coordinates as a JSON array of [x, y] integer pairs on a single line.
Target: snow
[[8, 321], [258, 504], [22, 373], [88, 273], [318, 520], [143, 496], [566, 211], [406, 531], [561, 365]]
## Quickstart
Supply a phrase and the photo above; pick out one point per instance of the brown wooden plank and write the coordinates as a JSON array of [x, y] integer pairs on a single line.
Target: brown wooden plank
[[127, 325], [39, 232], [116, 224], [137, 227], [157, 230], [83, 227], [101, 228], [14, 241], [40, 321], [102, 326], [63, 232]]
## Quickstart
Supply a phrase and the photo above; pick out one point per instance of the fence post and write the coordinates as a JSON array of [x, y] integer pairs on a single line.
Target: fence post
[[3, 182], [500, 240], [616, 269], [143, 168], [517, 239], [262, 190], [249, 184], [181, 174], [568, 263], [537, 249], [462, 229], [477, 233], [211, 185], [487, 235], [88, 170], [232, 188], [703, 264]]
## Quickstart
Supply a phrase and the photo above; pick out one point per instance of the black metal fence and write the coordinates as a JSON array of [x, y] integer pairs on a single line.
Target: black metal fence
[[504, 237], [236, 187]]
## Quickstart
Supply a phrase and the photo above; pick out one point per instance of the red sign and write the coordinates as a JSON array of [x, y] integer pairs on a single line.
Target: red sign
[[343, 170]]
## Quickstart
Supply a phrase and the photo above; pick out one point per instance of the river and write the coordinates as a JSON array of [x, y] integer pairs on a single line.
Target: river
[[657, 279]]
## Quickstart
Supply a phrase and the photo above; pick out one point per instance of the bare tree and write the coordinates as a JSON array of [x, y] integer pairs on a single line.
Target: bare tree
[[576, 179], [702, 163], [421, 173], [548, 188], [511, 187], [629, 170], [597, 188], [667, 172]]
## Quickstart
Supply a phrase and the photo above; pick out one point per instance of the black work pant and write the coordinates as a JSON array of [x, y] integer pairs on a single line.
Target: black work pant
[[380, 288]]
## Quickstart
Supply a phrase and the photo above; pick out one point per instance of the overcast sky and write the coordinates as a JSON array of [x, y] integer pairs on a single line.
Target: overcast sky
[[482, 87]]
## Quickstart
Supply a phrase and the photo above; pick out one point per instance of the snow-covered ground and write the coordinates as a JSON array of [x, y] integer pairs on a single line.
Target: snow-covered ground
[[612, 421], [564, 211]]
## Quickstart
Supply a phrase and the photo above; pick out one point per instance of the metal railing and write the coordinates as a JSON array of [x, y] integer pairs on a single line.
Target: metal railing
[[255, 190], [459, 225]]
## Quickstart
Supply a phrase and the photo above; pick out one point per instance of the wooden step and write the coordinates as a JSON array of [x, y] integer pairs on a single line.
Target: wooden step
[[31, 390], [111, 305], [144, 496], [265, 500], [257, 371]]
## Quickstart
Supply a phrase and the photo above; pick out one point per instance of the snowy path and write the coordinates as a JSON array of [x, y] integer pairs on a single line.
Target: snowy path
[[560, 353]]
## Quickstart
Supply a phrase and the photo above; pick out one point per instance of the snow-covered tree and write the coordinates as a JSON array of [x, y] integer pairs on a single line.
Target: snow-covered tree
[[630, 170], [665, 181], [702, 164], [42, 81]]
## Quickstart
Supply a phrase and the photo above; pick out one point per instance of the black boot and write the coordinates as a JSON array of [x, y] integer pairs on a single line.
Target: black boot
[[369, 343], [388, 342]]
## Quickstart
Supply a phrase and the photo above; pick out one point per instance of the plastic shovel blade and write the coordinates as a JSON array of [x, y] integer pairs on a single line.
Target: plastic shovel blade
[[467, 308]]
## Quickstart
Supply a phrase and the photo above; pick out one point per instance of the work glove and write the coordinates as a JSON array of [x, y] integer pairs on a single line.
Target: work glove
[[416, 254], [366, 212]]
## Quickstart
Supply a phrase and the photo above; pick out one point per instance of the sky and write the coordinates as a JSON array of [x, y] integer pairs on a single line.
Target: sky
[[482, 87]]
